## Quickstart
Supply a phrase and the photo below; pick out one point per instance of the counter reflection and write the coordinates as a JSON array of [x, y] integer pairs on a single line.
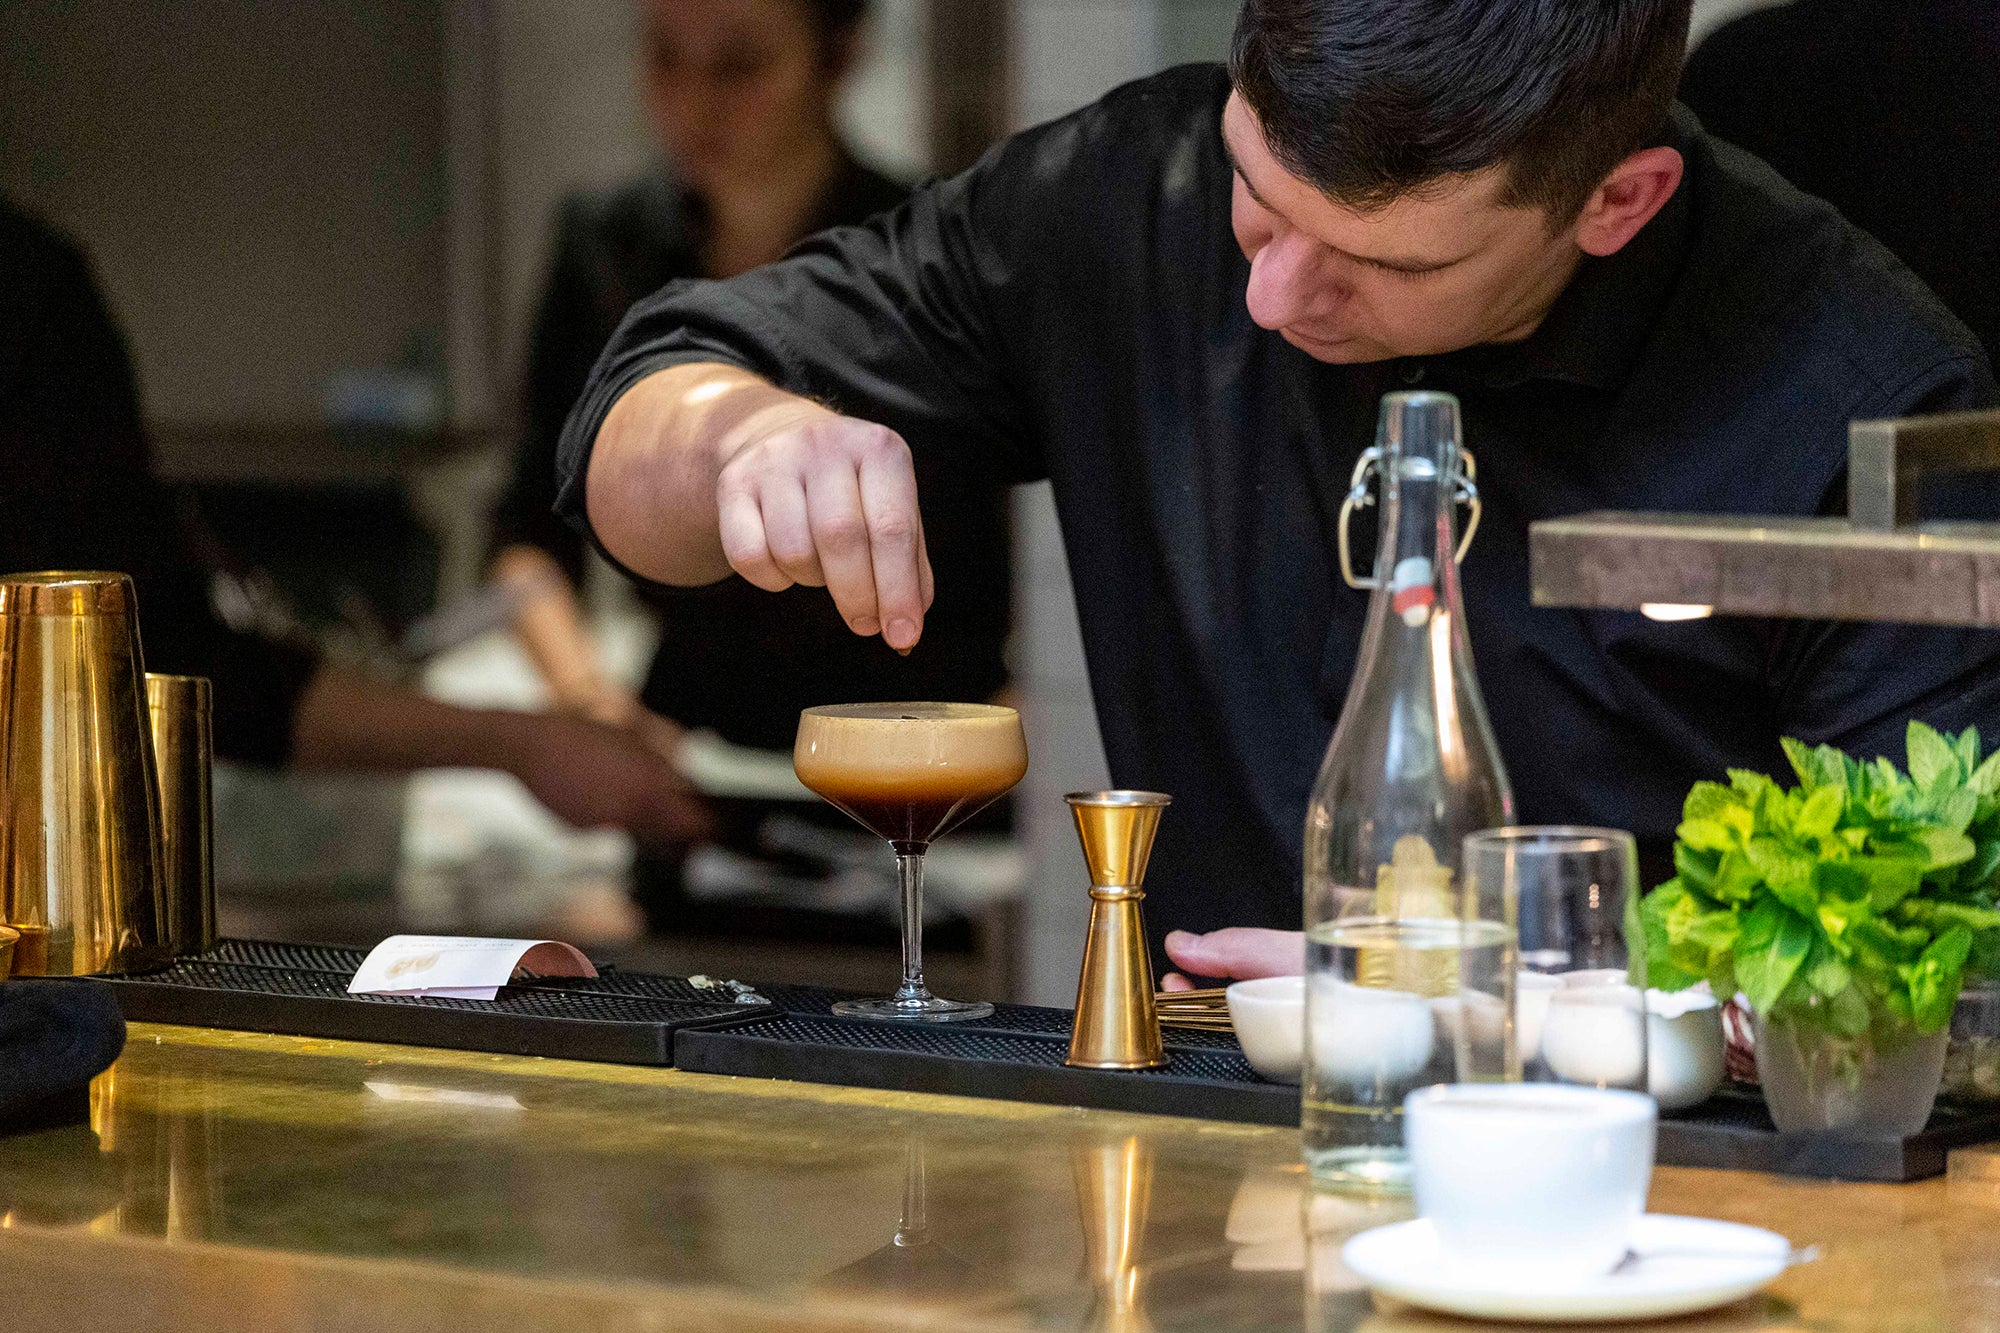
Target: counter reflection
[[1029, 1216]]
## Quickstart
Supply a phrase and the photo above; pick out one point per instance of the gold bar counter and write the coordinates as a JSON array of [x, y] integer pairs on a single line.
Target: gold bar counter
[[235, 1181]]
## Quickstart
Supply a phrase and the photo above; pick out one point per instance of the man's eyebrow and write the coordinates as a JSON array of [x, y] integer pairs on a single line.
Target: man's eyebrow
[[1241, 175], [1395, 265]]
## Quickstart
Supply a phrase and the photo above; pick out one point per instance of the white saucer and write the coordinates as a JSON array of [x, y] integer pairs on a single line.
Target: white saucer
[[1697, 1264]]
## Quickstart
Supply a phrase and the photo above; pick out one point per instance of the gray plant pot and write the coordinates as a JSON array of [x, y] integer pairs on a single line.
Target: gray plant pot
[[1816, 1082]]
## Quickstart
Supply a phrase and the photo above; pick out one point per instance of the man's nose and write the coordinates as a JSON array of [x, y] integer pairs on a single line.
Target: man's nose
[[1285, 285]]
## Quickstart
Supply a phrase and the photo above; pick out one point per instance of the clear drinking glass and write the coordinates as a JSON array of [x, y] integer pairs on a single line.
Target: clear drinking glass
[[1393, 1005], [1571, 896], [910, 773]]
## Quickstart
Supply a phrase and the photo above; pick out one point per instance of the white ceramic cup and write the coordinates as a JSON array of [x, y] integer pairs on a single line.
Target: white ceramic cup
[[1269, 1015], [1530, 1184]]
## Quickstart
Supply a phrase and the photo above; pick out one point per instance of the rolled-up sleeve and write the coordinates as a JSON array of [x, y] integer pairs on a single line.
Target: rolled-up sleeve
[[910, 320]]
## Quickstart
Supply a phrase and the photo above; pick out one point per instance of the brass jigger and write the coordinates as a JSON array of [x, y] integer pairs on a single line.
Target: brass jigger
[[1117, 1023]]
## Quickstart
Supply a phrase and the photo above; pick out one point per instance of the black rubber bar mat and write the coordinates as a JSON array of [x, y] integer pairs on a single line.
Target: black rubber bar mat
[[619, 1018], [1732, 1131], [983, 1060]]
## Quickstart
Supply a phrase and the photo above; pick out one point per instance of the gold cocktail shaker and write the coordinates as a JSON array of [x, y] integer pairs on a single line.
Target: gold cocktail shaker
[[180, 709], [1117, 1018], [79, 801]]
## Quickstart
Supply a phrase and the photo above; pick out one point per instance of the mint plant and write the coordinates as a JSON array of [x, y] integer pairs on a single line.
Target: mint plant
[[1854, 903]]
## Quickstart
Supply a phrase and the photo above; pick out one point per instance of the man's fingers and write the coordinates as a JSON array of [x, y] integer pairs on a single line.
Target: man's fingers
[[1239, 953], [788, 530], [1174, 981], [840, 535], [741, 524], [895, 538]]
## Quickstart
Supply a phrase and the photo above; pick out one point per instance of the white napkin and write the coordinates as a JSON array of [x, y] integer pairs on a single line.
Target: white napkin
[[458, 968]]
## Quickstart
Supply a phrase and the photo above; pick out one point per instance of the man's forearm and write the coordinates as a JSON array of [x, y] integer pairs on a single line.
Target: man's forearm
[[347, 721], [650, 486]]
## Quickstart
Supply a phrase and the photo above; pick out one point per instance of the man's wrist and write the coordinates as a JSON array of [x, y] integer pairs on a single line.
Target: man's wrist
[[778, 411]]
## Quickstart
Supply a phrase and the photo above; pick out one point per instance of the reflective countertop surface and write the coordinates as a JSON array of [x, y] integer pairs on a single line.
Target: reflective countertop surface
[[240, 1181]]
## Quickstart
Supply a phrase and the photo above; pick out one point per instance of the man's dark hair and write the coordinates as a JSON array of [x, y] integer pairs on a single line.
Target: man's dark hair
[[1369, 100]]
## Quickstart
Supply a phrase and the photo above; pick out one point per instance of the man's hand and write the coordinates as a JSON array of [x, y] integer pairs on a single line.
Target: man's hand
[[1239, 953], [702, 469], [808, 496], [597, 776]]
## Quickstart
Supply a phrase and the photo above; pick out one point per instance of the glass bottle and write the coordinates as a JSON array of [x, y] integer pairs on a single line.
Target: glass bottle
[[1411, 770]]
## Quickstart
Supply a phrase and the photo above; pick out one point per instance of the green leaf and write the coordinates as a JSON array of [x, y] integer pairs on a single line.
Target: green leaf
[[1696, 870], [1666, 916], [1984, 864], [1736, 879], [1824, 972], [1821, 812], [1934, 979], [1772, 945], [1954, 810], [1890, 879], [1985, 779], [1708, 835], [1976, 918], [1966, 746], [1879, 945], [1930, 755], [1823, 767], [1946, 848], [1781, 866], [1705, 800], [1715, 931]]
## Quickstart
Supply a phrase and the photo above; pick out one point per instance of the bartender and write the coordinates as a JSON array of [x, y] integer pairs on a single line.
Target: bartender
[[1183, 304]]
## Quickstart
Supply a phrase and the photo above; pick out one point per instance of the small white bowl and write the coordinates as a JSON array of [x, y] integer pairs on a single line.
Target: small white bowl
[[1684, 1047], [1270, 1019]]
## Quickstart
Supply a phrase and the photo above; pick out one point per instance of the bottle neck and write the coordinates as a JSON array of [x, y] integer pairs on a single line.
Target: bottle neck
[[1415, 563]]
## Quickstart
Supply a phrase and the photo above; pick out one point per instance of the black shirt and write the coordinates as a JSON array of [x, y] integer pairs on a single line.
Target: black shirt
[[733, 658], [1073, 307], [1889, 110], [80, 492]]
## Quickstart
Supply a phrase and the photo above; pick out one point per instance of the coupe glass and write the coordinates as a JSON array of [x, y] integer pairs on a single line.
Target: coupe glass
[[909, 773], [1572, 894]]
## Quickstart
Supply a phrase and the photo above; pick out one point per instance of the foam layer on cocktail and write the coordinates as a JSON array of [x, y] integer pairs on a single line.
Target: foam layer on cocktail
[[909, 771]]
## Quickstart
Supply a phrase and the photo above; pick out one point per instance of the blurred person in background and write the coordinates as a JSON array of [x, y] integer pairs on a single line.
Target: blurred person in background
[[741, 96], [1887, 109], [81, 494]]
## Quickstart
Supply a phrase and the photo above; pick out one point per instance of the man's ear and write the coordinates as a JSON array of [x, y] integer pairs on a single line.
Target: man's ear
[[1627, 199]]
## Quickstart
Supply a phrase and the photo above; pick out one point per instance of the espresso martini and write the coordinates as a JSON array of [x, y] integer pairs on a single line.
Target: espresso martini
[[909, 773]]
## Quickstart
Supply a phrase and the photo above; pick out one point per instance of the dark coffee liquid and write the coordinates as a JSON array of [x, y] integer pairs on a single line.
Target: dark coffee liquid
[[915, 811]]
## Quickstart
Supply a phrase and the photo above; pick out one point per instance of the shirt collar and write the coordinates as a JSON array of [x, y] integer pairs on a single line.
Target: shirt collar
[[1602, 321]]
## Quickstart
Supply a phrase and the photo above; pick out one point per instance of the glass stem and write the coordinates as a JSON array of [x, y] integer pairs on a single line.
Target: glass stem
[[910, 876]]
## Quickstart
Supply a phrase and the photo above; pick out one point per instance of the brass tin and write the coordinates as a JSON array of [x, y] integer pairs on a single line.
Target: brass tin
[[1117, 1021], [8, 939], [81, 814], [180, 709]]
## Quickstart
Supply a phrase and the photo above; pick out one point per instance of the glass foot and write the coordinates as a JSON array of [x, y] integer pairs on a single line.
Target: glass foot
[[914, 1009]]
